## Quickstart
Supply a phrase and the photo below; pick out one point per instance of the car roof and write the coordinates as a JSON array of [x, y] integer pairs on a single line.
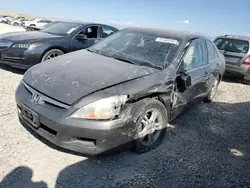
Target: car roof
[[234, 37], [83, 23], [184, 35]]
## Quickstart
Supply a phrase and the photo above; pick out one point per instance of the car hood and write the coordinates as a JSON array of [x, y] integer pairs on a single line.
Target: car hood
[[72, 76], [27, 35]]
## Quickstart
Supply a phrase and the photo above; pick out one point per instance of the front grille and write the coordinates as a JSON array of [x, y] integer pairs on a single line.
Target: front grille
[[15, 60], [44, 100]]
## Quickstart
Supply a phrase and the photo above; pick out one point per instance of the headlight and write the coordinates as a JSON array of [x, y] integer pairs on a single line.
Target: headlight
[[26, 46], [102, 109]]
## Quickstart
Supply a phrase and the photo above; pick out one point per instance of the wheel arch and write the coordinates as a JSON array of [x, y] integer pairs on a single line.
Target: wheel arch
[[165, 99]]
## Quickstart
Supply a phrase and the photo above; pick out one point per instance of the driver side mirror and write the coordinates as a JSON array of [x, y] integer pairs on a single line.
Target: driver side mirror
[[81, 37], [183, 81]]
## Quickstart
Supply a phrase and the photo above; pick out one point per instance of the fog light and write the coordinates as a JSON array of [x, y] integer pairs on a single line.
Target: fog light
[[19, 110]]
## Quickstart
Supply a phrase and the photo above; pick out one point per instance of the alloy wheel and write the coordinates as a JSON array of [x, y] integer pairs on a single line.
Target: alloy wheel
[[150, 127]]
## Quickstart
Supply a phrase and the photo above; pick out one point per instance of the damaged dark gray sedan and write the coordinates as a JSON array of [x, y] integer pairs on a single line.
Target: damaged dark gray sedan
[[122, 91]]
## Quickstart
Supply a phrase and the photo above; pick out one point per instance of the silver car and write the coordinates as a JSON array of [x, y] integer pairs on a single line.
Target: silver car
[[237, 54]]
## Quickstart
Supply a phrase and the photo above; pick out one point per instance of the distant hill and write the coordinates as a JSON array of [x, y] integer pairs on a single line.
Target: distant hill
[[17, 15]]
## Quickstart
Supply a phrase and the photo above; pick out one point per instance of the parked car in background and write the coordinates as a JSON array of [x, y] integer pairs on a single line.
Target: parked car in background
[[18, 22], [36, 22], [9, 19], [25, 23], [38, 28], [20, 17], [123, 90], [4, 19], [237, 54], [25, 49], [26, 20]]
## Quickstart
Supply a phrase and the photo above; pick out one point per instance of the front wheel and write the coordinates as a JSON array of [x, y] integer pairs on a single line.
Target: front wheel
[[51, 54], [151, 126], [213, 91]]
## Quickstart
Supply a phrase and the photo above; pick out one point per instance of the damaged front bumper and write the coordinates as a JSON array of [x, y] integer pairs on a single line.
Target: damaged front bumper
[[84, 140], [84, 136]]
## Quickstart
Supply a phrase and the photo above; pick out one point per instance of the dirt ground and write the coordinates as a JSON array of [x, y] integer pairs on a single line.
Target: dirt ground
[[208, 146], [4, 28]]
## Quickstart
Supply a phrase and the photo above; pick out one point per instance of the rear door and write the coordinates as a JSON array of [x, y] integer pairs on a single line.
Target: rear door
[[234, 50], [213, 68]]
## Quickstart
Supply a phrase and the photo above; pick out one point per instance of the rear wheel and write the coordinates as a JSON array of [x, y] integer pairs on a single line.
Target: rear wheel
[[213, 91], [51, 54], [15, 24], [151, 126]]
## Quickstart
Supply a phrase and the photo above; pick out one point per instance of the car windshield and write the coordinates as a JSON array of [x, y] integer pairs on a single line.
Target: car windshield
[[232, 45], [140, 48], [61, 28]]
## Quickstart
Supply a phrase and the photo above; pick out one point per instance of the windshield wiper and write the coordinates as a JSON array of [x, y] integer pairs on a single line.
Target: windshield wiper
[[124, 60], [52, 33], [46, 32], [149, 64], [141, 62], [97, 52], [90, 50]]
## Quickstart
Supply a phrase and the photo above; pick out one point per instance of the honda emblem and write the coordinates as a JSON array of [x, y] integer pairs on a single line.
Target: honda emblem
[[35, 98]]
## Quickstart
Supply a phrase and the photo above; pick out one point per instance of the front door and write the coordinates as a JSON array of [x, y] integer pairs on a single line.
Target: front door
[[93, 36], [193, 64]]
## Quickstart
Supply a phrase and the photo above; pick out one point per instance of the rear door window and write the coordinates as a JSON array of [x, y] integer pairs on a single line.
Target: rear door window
[[106, 31], [232, 45], [211, 51]]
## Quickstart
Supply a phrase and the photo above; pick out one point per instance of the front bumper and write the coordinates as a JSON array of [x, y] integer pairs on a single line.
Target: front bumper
[[20, 58], [83, 136], [242, 70]]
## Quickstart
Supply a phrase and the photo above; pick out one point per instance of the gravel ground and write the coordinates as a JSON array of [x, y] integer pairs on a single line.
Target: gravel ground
[[197, 151]]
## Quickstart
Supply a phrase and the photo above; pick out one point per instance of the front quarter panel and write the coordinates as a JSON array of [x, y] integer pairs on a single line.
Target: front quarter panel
[[159, 85], [62, 44]]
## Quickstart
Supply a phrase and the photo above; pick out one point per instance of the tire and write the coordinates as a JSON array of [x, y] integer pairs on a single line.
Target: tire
[[32, 25], [51, 54], [213, 91], [15, 24], [244, 81], [142, 143]]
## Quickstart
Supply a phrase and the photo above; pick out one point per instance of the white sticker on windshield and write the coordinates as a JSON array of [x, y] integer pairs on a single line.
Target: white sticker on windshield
[[71, 30], [164, 40]]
